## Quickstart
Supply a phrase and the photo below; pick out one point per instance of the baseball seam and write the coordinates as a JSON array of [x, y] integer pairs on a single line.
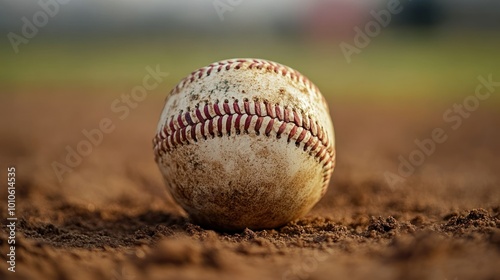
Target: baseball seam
[[247, 117], [237, 64]]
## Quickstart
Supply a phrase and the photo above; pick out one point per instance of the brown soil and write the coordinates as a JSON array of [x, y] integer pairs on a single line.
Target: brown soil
[[111, 218]]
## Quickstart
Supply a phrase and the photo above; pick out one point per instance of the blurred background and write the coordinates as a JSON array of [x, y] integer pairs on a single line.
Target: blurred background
[[432, 48]]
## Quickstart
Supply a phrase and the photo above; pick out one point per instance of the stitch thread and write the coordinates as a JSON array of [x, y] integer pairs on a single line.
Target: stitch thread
[[238, 64], [214, 120], [211, 122]]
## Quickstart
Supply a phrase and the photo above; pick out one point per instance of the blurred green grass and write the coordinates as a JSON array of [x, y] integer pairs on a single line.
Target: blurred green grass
[[391, 66]]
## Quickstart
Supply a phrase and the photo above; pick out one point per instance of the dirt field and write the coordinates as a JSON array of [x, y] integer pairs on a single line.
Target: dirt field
[[111, 218]]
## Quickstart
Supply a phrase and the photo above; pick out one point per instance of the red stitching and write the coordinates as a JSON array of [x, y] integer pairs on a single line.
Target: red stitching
[[219, 127], [247, 64], [297, 119], [171, 125], [228, 124], [226, 108], [314, 130], [269, 127], [175, 133], [183, 134], [179, 120], [178, 136], [258, 124], [278, 113], [281, 129], [236, 108], [247, 123], [292, 133], [203, 131], [237, 123], [308, 143], [246, 106], [269, 109], [257, 109], [216, 109], [287, 114], [188, 118], [193, 133], [199, 116], [206, 111], [301, 136], [211, 127], [315, 145]]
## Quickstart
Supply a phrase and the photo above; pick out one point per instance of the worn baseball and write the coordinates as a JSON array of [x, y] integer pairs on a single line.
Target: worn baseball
[[245, 143]]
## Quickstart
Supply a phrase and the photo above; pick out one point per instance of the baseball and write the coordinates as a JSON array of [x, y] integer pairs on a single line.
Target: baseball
[[245, 143]]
